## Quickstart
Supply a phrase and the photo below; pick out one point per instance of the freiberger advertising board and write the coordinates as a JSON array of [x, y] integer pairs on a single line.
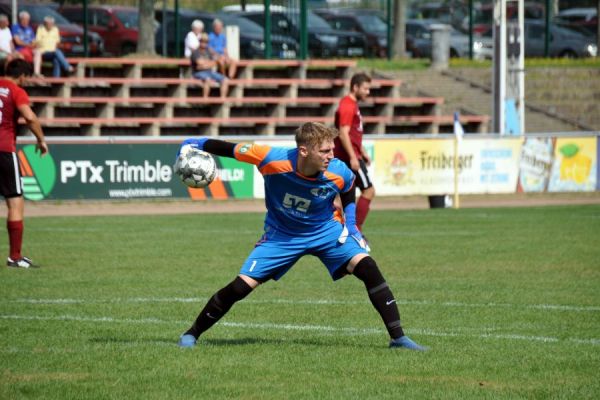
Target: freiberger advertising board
[[426, 166]]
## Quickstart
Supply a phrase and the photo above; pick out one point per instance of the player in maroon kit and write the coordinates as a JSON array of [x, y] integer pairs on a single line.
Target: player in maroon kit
[[14, 103], [348, 146]]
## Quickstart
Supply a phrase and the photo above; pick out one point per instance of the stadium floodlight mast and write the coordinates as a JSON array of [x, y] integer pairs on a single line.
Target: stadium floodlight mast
[[509, 71]]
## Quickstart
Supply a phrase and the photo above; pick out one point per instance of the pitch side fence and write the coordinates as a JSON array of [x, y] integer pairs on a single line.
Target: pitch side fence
[[135, 167]]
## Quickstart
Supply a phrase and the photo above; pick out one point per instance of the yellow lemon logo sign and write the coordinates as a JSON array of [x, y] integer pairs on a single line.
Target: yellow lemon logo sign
[[575, 166]]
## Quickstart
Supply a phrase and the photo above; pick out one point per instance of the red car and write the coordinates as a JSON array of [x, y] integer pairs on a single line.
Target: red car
[[117, 25]]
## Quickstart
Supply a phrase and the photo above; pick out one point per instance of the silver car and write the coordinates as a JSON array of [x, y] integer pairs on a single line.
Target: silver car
[[419, 31], [564, 42]]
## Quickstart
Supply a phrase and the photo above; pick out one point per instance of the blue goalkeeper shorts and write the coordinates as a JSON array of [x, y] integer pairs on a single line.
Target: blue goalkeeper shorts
[[276, 252]]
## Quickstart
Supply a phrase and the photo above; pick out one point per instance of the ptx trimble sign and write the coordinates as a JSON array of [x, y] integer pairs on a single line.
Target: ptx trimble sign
[[121, 171], [114, 171]]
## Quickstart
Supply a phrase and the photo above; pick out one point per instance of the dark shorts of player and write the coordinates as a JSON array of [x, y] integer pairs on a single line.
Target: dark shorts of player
[[362, 180], [10, 176]]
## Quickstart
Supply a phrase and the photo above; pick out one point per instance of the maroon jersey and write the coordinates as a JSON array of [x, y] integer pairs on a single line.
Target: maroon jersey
[[11, 97], [348, 114]]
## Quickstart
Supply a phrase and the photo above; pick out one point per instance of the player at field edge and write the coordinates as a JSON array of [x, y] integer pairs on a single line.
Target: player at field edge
[[348, 145], [301, 185], [14, 102]]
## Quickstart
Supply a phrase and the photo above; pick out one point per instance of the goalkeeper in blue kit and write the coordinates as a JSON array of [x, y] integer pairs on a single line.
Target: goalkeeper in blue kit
[[301, 185]]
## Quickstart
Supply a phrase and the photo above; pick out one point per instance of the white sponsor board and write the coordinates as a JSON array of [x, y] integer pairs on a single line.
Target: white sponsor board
[[426, 166]]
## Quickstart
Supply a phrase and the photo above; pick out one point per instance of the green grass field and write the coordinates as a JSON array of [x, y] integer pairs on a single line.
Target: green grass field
[[508, 300]]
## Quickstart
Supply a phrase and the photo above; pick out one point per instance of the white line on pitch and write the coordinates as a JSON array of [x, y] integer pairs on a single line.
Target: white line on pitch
[[556, 307], [292, 327], [163, 230], [254, 232]]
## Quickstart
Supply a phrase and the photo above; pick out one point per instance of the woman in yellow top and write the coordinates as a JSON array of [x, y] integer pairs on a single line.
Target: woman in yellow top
[[47, 39]]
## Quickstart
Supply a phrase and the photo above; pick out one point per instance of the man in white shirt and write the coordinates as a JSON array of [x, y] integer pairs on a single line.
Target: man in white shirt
[[192, 40], [7, 47]]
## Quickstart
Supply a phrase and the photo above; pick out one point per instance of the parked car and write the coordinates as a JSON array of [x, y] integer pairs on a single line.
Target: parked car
[[484, 15], [450, 12], [71, 35], [117, 25], [362, 21], [323, 40], [252, 43], [586, 18], [564, 42], [252, 39], [369, 22], [419, 30]]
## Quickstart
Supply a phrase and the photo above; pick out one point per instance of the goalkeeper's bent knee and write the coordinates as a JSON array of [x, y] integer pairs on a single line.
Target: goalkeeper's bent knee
[[367, 271], [232, 293]]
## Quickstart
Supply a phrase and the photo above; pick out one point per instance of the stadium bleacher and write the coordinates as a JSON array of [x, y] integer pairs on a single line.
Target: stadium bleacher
[[157, 97]]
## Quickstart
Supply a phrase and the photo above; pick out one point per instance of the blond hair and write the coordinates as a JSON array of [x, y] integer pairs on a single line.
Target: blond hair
[[314, 134]]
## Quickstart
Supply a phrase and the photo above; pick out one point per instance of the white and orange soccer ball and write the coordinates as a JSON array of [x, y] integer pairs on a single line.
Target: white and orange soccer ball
[[195, 168]]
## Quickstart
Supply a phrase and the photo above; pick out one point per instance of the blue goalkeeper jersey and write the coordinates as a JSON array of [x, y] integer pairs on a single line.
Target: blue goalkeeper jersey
[[296, 204]]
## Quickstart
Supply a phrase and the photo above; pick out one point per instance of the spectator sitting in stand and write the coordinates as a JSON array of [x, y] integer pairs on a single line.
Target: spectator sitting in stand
[[7, 48], [217, 44], [48, 39], [23, 37], [203, 68], [192, 40]]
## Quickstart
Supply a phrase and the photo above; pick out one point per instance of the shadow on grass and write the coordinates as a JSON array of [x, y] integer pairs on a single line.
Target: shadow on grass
[[247, 341], [116, 340]]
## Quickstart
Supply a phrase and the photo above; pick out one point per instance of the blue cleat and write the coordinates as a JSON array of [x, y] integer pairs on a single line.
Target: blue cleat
[[406, 343], [187, 340]]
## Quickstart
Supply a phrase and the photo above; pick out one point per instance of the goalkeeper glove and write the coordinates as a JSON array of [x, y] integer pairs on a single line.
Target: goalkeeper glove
[[196, 143], [350, 228]]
